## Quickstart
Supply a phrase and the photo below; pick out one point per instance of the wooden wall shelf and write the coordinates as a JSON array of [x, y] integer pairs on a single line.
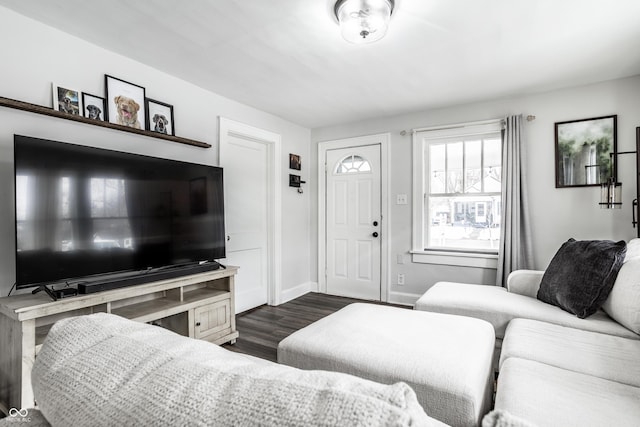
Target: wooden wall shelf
[[38, 109]]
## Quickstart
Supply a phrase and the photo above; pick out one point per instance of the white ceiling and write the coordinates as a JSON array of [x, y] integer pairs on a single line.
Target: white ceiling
[[286, 57]]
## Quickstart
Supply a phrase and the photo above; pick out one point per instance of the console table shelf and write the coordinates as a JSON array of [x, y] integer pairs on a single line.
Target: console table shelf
[[199, 306], [39, 109]]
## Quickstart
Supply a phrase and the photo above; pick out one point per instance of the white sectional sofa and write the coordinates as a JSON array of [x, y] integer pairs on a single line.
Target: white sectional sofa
[[104, 370], [556, 369]]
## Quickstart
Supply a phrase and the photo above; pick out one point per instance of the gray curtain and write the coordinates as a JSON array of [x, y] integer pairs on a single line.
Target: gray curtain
[[515, 250]]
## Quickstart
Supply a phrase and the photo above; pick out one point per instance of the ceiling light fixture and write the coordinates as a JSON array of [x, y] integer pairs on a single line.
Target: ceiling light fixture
[[363, 21]]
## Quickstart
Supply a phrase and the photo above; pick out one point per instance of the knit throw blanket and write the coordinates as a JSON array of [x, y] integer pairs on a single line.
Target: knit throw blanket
[[102, 369]]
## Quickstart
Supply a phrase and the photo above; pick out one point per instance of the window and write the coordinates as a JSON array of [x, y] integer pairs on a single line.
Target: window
[[457, 177], [353, 164]]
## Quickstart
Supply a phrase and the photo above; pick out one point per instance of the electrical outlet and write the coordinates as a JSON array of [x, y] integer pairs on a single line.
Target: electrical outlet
[[400, 279]]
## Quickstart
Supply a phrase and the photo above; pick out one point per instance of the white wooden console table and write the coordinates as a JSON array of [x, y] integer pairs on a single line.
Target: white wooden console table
[[198, 306]]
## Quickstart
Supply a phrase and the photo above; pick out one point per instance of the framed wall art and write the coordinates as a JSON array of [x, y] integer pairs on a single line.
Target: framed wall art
[[294, 180], [159, 117], [94, 107], [294, 162], [125, 103], [66, 100], [584, 151]]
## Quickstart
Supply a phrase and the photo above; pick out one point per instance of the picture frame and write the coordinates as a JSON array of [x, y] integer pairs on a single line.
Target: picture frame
[[294, 162], [584, 151], [159, 117], [294, 180], [93, 107], [66, 100], [125, 103]]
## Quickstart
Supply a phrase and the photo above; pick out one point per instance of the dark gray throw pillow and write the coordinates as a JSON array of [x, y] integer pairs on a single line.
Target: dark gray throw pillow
[[581, 275]]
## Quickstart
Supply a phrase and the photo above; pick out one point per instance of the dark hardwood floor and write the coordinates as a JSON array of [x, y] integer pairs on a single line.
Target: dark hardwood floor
[[262, 328]]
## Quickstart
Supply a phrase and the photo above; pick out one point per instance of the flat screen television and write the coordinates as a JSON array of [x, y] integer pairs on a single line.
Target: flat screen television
[[87, 215]]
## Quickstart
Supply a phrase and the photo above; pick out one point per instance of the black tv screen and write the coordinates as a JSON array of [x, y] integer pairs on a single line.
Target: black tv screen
[[83, 211]]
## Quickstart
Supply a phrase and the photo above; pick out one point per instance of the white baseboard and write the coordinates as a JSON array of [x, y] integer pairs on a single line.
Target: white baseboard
[[297, 291], [403, 298]]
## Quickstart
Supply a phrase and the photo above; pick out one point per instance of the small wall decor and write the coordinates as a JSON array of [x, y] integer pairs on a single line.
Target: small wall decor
[[583, 151], [125, 103], [294, 180], [94, 107], [66, 100], [159, 117], [294, 162]]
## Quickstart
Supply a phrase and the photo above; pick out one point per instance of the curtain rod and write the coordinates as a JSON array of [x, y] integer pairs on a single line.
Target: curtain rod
[[529, 118], [458, 125]]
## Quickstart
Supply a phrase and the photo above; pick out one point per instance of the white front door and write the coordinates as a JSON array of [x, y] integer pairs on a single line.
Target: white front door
[[353, 222], [249, 214]]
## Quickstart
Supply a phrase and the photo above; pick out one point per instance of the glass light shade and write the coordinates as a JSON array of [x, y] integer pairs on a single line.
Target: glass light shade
[[611, 195], [363, 21]]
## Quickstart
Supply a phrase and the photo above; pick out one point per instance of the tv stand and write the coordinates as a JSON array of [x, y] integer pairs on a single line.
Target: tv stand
[[199, 306]]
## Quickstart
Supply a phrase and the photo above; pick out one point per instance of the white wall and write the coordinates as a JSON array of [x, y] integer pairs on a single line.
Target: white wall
[[557, 213], [38, 55]]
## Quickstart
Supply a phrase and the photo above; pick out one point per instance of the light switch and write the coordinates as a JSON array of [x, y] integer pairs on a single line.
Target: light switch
[[401, 199]]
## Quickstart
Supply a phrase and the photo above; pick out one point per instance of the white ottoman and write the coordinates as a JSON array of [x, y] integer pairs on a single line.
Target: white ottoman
[[446, 359]]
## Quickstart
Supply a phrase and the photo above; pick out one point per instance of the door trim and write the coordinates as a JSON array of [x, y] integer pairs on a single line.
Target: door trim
[[381, 139], [273, 141]]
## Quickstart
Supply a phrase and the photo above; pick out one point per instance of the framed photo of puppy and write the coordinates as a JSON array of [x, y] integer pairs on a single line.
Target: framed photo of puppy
[[66, 100], [93, 107], [125, 103], [159, 117]]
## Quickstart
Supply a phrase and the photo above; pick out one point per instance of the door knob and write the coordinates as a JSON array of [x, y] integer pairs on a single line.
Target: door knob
[[375, 234], [375, 223], [228, 238]]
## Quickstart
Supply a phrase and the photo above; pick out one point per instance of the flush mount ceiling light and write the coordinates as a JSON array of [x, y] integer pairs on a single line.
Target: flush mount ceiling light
[[363, 21]]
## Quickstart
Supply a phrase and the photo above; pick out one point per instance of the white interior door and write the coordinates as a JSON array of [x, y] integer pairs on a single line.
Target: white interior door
[[353, 222], [246, 163]]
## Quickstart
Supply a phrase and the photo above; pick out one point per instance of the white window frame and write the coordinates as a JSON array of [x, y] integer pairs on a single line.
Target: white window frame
[[452, 257]]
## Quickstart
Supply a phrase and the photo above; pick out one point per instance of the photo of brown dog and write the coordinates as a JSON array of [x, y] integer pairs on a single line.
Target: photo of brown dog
[[125, 103], [127, 110]]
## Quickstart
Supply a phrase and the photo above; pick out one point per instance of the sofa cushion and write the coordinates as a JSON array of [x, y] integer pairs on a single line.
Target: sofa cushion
[[549, 396], [498, 307], [623, 303], [581, 275], [601, 355], [105, 370]]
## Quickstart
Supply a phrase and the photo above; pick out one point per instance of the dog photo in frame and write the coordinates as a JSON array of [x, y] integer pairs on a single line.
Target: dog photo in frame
[[125, 103], [94, 108], [159, 117], [66, 100]]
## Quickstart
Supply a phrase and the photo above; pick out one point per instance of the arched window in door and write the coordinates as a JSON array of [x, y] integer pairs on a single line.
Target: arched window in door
[[353, 164]]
